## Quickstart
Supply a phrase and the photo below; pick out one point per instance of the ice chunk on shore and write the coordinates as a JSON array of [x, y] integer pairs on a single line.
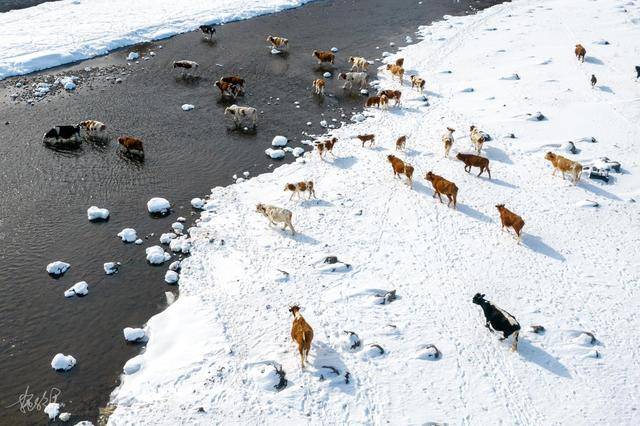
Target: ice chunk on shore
[[177, 227], [65, 417], [187, 107], [171, 277], [133, 56], [156, 255], [297, 151], [68, 83], [181, 244], [57, 268], [52, 410], [61, 362], [158, 205], [132, 366], [78, 289], [175, 266], [96, 213], [167, 237], [279, 141], [128, 235], [274, 153], [197, 203], [327, 74], [138, 242], [111, 268], [133, 334]]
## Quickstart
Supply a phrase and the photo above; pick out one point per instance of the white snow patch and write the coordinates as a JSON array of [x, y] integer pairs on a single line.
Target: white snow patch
[[279, 141], [158, 205], [128, 235], [78, 289], [133, 334], [171, 277], [61, 362], [52, 410], [58, 268], [274, 153], [96, 213]]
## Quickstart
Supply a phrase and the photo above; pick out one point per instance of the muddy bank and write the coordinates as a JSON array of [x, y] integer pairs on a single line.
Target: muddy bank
[[46, 193]]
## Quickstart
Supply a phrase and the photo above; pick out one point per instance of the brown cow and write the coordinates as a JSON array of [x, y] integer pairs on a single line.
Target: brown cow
[[447, 139], [318, 86], [326, 146], [392, 94], [510, 219], [324, 56], [396, 71], [401, 168], [278, 42], [367, 138], [580, 52], [297, 188], [401, 143], [400, 62], [131, 145], [443, 186], [565, 166], [302, 333], [228, 90], [417, 82], [379, 101], [471, 160]]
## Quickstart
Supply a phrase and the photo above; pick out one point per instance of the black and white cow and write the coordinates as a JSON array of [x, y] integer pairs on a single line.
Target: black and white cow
[[208, 29], [63, 136], [498, 320]]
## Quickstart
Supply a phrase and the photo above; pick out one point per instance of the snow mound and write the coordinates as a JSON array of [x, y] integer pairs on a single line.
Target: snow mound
[[111, 268], [156, 255], [57, 268], [373, 351], [78, 289], [297, 151], [187, 107], [128, 235], [134, 334], [587, 203], [266, 377], [197, 203], [167, 237], [133, 365], [52, 410], [428, 353], [61, 362], [68, 83], [327, 74], [274, 153], [177, 227], [181, 245], [158, 205], [138, 242], [65, 417], [279, 141], [350, 341], [96, 213], [175, 266], [132, 56], [171, 277]]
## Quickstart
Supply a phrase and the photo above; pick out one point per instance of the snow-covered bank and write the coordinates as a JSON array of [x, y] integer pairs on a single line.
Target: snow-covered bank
[[209, 356], [60, 32]]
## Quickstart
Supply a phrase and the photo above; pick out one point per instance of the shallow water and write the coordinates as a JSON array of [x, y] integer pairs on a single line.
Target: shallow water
[[45, 193]]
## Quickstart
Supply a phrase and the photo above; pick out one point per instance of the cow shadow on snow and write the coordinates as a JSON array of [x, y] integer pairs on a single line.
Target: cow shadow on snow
[[536, 355], [344, 162], [598, 191], [593, 60], [325, 355], [462, 208], [496, 154], [315, 202], [536, 244]]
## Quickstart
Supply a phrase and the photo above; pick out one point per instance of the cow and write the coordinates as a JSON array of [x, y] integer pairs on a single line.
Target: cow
[[239, 113], [499, 320], [63, 137]]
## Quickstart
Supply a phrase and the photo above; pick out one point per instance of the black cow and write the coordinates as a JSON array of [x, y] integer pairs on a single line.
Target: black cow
[[208, 29], [498, 320], [68, 136], [637, 71]]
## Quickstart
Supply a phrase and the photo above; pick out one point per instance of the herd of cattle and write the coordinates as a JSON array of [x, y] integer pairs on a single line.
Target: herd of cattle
[[233, 86]]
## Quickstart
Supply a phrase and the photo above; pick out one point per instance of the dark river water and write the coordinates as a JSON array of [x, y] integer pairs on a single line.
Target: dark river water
[[45, 194]]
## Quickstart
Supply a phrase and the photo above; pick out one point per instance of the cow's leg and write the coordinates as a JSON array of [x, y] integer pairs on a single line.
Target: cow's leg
[[439, 197]]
